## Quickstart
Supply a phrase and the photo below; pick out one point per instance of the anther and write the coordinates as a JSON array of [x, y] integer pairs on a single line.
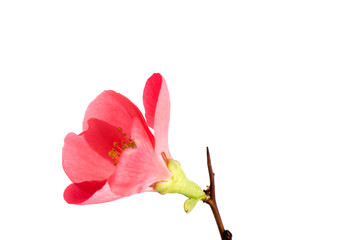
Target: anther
[[119, 148]]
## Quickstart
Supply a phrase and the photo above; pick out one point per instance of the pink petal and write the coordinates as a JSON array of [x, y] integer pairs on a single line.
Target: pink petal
[[157, 111], [89, 193], [115, 109], [150, 97], [101, 136], [138, 168], [81, 162]]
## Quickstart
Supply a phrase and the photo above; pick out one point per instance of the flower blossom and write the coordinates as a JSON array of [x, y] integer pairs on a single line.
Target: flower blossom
[[117, 155]]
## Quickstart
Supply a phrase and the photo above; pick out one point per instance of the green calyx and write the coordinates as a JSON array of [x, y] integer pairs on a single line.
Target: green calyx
[[179, 183]]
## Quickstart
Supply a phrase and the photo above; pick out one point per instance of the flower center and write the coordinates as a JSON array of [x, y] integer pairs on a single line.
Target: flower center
[[117, 149]]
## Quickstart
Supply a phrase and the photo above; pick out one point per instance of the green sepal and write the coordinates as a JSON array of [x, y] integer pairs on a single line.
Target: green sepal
[[179, 183], [189, 204]]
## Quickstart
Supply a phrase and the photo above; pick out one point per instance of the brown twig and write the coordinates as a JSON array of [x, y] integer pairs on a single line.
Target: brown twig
[[211, 200]]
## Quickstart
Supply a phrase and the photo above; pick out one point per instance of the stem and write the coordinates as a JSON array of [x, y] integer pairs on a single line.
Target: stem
[[211, 201]]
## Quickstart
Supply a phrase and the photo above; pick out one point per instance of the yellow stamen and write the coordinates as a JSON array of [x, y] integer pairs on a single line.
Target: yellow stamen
[[118, 149]]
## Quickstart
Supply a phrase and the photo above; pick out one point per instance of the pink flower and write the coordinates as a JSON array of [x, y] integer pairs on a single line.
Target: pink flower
[[116, 155]]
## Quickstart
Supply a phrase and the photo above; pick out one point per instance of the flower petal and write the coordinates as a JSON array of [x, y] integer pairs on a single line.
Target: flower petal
[[81, 162], [89, 193], [150, 97], [101, 136], [157, 111], [138, 168], [115, 109]]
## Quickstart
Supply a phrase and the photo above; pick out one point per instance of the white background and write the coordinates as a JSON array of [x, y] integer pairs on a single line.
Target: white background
[[272, 87]]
